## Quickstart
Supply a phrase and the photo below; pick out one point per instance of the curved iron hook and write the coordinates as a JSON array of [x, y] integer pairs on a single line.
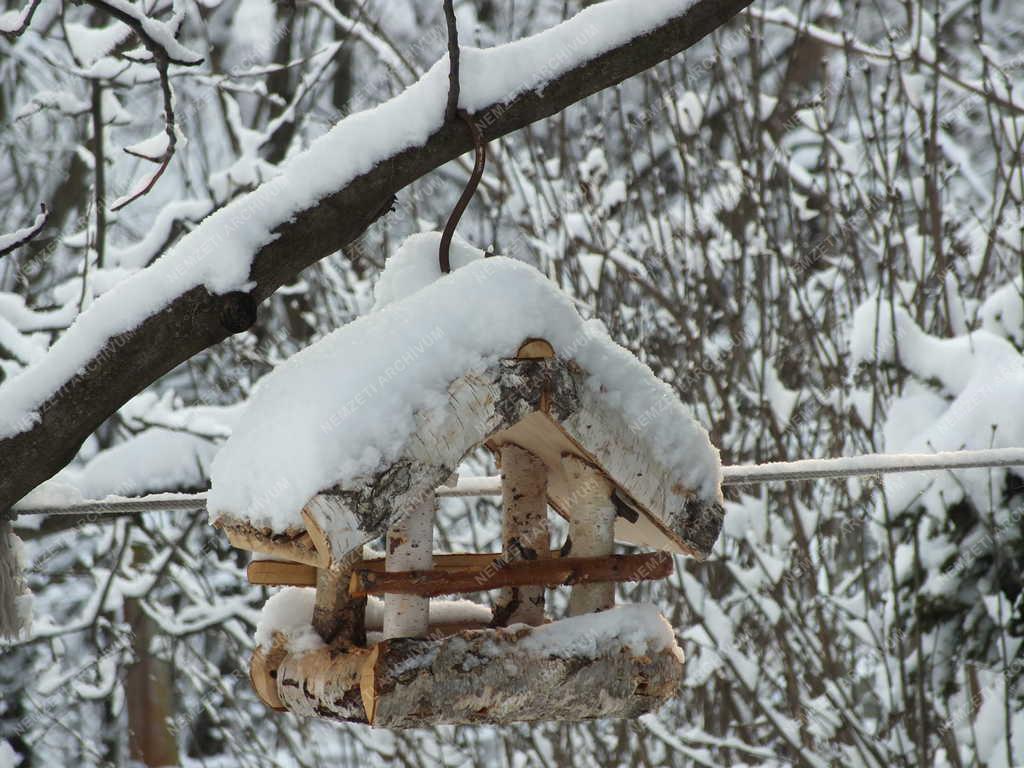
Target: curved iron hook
[[444, 255]]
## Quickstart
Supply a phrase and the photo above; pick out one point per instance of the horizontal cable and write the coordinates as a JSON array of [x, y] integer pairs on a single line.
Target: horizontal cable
[[743, 474]]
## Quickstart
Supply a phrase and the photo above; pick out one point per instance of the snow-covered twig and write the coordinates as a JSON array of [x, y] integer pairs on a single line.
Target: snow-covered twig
[[159, 40], [20, 237], [14, 22]]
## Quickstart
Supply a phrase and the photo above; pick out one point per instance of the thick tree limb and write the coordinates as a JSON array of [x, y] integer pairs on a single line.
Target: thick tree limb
[[197, 319]]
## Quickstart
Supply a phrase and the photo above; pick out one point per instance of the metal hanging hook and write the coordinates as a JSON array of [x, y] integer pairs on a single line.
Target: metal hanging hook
[[467, 193], [451, 112]]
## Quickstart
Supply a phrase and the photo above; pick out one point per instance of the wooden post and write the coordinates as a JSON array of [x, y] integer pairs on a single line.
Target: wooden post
[[524, 484], [410, 547], [338, 618], [591, 529]]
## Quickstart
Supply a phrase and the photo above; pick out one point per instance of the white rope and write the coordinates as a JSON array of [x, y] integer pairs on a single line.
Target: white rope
[[743, 474]]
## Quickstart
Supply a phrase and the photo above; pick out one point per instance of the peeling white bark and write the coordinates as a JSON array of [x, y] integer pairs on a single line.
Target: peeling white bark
[[410, 547]]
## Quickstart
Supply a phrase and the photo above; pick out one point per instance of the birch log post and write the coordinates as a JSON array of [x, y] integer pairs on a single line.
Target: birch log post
[[561, 671], [591, 529], [338, 617], [524, 531], [410, 547], [323, 683]]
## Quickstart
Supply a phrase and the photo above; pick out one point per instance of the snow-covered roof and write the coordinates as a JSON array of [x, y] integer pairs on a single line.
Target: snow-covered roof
[[389, 386]]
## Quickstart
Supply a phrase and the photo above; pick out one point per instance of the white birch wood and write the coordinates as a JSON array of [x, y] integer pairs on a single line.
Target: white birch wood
[[484, 676], [591, 529], [524, 531], [410, 547]]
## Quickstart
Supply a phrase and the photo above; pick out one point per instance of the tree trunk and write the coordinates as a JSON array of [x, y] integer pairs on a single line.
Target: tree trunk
[[149, 691]]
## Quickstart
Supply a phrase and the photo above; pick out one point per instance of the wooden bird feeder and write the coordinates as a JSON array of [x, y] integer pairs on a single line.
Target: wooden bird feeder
[[399, 663]]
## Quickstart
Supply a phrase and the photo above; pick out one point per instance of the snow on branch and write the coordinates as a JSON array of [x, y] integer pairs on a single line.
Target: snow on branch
[[207, 286], [22, 236], [15, 21], [158, 38]]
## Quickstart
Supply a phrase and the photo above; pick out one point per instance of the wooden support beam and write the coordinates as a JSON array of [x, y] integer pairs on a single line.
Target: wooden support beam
[[591, 530], [298, 548], [524, 484], [281, 573], [535, 573], [410, 545]]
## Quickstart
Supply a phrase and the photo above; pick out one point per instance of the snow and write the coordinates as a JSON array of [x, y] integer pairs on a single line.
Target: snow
[[415, 265], [153, 148], [290, 612], [345, 406], [12, 21], [161, 33], [64, 102], [218, 254], [441, 612], [90, 44], [152, 461], [1002, 313], [6, 241], [506, 71], [21, 347], [960, 394], [8, 757], [639, 628]]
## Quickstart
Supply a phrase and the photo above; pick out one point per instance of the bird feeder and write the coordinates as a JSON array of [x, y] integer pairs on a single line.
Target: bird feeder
[[411, 660]]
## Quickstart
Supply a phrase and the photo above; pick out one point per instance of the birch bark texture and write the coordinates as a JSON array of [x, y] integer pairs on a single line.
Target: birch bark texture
[[525, 533], [410, 547], [591, 530]]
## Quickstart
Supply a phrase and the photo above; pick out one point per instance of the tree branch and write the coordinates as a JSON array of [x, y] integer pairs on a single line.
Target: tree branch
[[197, 319], [165, 50], [15, 240], [14, 22]]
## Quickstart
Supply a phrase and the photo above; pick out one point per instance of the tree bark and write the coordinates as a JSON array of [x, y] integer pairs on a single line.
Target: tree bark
[[592, 532], [196, 319], [148, 690], [338, 617], [410, 547], [524, 531], [496, 676]]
